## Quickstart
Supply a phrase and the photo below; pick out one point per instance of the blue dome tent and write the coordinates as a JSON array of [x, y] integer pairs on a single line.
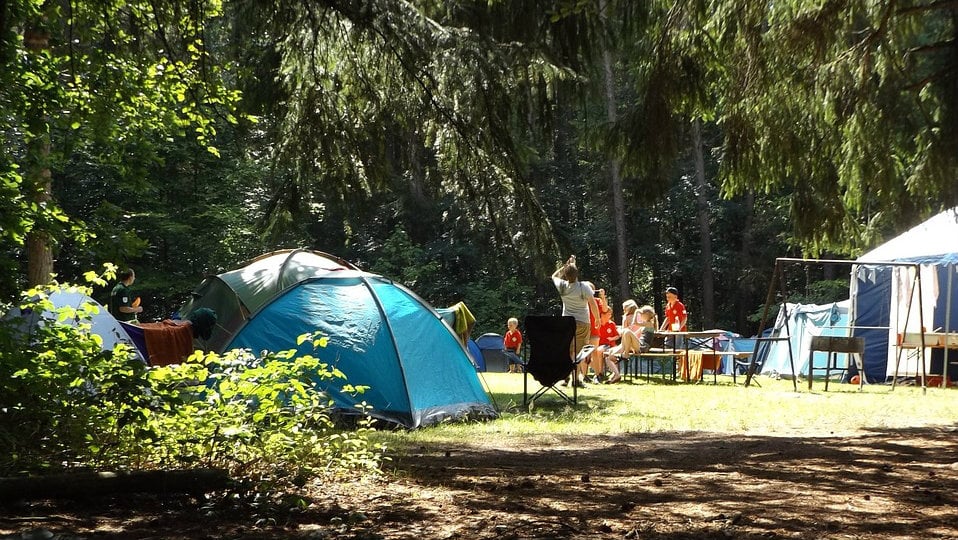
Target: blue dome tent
[[381, 335]]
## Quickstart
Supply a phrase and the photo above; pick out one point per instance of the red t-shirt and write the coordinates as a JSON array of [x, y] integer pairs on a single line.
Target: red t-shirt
[[607, 332], [512, 340], [675, 313], [593, 327]]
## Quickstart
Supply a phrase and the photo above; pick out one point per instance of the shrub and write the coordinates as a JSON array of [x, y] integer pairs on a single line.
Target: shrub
[[65, 403]]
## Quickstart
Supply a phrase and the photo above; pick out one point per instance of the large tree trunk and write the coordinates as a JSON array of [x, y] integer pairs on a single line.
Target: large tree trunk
[[746, 289], [708, 278], [38, 185], [620, 267]]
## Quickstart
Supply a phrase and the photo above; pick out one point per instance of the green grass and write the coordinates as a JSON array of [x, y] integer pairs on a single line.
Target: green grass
[[641, 406]]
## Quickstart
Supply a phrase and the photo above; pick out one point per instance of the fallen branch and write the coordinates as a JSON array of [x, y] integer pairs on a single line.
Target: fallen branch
[[81, 485]]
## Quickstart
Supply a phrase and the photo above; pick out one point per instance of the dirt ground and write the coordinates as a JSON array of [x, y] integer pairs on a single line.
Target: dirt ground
[[900, 484]]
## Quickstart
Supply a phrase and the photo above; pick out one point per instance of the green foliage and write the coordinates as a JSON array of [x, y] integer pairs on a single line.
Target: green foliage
[[405, 262], [60, 389], [462, 148], [258, 416], [66, 403], [846, 105], [493, 302], [823, 291], [104, 84]]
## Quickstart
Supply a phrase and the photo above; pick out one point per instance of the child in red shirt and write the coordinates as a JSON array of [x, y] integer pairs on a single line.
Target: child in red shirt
[[512, 342], [608, 337]]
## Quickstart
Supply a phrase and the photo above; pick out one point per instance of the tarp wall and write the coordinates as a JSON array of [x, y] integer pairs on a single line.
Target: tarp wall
[[805, 321], [880, 295]]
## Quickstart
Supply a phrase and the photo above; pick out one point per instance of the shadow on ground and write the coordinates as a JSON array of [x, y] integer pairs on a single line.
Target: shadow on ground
[[882, 484]]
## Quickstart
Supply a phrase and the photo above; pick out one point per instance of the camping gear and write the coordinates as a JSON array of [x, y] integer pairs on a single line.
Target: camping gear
[[237, 294], [460, 320], [549, 340], [167, 342], [171, 341], [102, 324], [380, 334], [886, 302]]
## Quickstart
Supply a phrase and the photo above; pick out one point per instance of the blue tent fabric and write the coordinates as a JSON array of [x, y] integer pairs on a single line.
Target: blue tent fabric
[[490, 341], [380, 335], [475, 355], [493, 352], [803, 322], [873, 302]]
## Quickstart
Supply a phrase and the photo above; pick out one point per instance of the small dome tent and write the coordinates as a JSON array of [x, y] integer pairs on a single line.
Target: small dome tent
[[101, 323], [381, 335], [237, 294]]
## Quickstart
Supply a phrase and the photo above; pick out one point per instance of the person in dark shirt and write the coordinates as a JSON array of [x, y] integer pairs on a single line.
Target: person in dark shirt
[[122, 304]]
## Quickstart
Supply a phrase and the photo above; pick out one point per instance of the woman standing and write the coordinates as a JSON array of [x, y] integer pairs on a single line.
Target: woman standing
[[577, 302]]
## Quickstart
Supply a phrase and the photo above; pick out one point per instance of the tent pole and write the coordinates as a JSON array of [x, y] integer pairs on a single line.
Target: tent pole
[[944, 367], [915, 285], [761, 325], [392, 337], [921, 323], [894, 380], [791, 358]]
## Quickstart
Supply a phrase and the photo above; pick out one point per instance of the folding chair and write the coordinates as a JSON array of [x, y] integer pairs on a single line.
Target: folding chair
[[550, 361]]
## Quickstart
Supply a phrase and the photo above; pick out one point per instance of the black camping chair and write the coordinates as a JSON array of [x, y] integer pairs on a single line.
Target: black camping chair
[[550, 356]]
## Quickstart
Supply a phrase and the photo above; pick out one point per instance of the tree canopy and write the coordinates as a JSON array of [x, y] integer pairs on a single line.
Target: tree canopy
[[465, 147]]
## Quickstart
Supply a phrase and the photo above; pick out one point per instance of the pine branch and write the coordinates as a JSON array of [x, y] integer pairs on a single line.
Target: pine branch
[[921, 8], [932, 47]]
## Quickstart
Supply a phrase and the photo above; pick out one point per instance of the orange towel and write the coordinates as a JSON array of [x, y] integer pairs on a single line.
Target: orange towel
[[167, 342], [690, 370]]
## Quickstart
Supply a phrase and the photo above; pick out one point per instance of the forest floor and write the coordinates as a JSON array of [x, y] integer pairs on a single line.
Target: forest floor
[[897, 483]]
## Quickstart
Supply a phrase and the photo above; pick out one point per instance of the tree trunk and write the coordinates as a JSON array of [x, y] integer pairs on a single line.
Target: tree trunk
[[620, 267], [708, 278], [746, 289], [88, 484], [38, 185]]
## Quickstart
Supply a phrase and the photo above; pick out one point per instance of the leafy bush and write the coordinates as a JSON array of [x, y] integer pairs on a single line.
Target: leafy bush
[[65, 403]]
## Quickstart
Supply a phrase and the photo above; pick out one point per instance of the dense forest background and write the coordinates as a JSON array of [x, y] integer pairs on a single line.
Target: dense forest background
[[466, 148]]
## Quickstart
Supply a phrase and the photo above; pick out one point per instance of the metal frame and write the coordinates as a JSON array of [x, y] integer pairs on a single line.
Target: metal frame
[[777, 274]]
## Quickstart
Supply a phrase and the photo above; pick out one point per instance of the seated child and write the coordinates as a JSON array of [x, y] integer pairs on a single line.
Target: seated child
[[608, 336], [648, 322], [639, 340]]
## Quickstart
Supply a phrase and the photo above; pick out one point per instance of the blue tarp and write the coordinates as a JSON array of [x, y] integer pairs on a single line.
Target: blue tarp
[[805, 321]]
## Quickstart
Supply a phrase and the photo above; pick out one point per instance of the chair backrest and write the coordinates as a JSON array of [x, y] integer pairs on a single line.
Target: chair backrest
[[550, 347]]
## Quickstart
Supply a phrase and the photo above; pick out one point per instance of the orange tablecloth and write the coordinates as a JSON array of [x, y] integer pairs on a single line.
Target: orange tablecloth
[[692, 365]]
